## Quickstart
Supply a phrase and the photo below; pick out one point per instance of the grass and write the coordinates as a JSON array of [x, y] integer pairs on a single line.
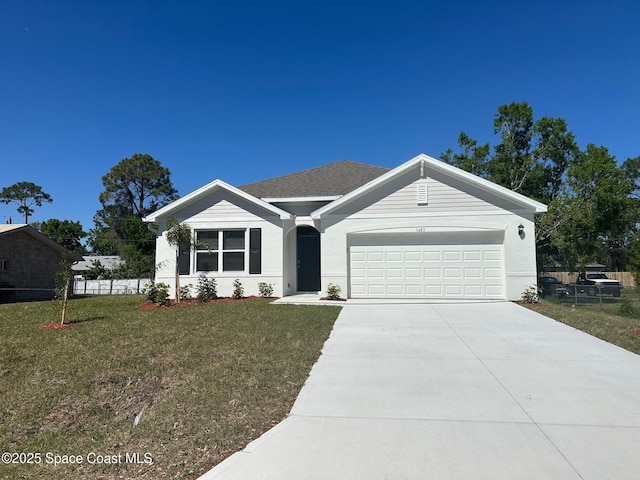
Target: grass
[[204, 380], [615, 320]]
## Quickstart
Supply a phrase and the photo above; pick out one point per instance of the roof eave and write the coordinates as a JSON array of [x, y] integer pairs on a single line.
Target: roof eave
[[205, 190], [486, 185]]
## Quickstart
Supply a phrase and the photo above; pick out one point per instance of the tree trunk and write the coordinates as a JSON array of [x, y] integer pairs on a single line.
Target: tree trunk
[[177, 274], [65, 297]]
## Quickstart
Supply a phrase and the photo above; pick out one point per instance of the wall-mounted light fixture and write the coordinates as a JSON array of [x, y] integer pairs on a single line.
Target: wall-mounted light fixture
[[520, 230]]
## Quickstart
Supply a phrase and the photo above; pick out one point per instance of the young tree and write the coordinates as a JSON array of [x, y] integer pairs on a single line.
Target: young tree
[[178, 234], [63, 278], [25, 194]]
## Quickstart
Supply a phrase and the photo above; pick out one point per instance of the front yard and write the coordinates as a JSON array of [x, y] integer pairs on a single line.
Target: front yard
[[199, 383], [616, 320]]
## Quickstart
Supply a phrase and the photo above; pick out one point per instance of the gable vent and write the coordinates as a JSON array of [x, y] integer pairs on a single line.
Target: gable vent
[[422, 193]]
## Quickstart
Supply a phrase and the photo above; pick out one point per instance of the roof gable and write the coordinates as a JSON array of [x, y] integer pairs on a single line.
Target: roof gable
[[425, 162], [332, 180], [170, 209], [28, 229]]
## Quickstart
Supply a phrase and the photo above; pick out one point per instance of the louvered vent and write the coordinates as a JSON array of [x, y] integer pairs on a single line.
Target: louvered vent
[[422, 194]]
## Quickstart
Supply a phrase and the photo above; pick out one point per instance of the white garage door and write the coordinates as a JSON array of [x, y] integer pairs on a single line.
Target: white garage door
[[465, 266]]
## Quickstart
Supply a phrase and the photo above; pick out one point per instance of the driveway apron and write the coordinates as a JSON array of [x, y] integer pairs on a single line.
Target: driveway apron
[[455, 391]]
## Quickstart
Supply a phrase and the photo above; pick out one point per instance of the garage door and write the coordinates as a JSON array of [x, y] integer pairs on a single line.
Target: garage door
[[464, 266]]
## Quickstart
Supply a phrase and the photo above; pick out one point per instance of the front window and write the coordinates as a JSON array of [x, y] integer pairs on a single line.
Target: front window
[[225, 250]]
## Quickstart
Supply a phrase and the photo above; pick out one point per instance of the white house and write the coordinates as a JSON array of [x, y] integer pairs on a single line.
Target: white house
[[423, 230]]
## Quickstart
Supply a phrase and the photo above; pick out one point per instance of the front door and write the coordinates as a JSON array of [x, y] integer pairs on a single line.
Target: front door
[[308, 259]]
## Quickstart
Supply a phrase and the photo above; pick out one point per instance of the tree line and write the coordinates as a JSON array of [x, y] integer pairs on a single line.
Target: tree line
[[593, 210], [133, 188], [593, 202]]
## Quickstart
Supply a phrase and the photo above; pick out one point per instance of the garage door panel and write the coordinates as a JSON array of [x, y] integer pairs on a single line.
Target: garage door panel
[[433, 291], [432, 256], [451, 256], [375, 256], [471, 255], [395, 273], [436, 266], [394, 256], [452, 273], [473, 273], [494, 290], [492, 255], [473, 290], [492, 273], [413, 256], [453, 290], [433, 273], [411, 273]]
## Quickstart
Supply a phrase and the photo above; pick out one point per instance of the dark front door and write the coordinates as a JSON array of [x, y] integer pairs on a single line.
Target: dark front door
[[308, 256]]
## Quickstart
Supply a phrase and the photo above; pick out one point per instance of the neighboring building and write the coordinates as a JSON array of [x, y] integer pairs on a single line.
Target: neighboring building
[[423, 230], [110, 262], [28, 263]]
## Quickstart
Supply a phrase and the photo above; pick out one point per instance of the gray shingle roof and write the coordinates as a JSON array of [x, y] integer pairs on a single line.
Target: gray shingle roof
[[338, 178]]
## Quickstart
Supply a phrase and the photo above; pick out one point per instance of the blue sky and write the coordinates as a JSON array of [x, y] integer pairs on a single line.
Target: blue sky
[[247, 90]]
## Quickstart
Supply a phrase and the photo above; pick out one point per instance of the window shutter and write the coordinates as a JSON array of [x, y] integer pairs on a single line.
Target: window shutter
[[422, 194], [255, 251], [184, 250]]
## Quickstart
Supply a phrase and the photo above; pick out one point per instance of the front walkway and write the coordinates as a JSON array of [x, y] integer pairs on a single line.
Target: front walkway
[[455, 391], [307, 299]]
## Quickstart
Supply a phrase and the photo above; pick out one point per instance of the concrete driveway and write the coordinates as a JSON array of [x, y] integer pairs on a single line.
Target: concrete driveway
[[455, 391]]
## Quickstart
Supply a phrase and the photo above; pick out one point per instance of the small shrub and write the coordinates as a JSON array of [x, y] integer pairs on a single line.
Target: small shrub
[[238, 289], [207, 288], [157, 293], [626, 309], [333, 292], [185, 292], [531, 295], [265, 289]]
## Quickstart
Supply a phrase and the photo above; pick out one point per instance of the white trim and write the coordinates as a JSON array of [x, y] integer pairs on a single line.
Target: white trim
[[440, 214], [207, 189], [440, 166], [329, 198]]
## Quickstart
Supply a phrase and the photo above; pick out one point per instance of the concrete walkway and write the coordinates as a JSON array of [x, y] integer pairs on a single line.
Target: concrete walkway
[[455, 391]]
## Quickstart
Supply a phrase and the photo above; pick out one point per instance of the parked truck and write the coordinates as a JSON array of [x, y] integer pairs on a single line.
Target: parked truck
[[595, 283]]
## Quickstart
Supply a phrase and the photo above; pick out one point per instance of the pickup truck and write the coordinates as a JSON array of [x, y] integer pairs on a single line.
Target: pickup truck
[[595, 283]]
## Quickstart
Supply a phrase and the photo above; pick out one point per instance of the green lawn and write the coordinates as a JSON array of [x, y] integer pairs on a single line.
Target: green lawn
[[207, 379], [616, 320]]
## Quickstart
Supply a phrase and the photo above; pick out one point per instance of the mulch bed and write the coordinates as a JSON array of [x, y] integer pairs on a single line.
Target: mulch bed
[[58, 326]]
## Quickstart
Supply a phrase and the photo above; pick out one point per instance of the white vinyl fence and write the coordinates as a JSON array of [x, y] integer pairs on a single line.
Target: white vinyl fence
[[110, 287]]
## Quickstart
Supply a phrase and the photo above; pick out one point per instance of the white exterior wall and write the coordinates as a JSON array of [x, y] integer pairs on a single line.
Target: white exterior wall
[[452, 206], [221, 212], [519, 253]]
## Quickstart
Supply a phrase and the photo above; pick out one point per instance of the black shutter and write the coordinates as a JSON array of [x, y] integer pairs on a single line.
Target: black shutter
[[255, 250], [183, 258]]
